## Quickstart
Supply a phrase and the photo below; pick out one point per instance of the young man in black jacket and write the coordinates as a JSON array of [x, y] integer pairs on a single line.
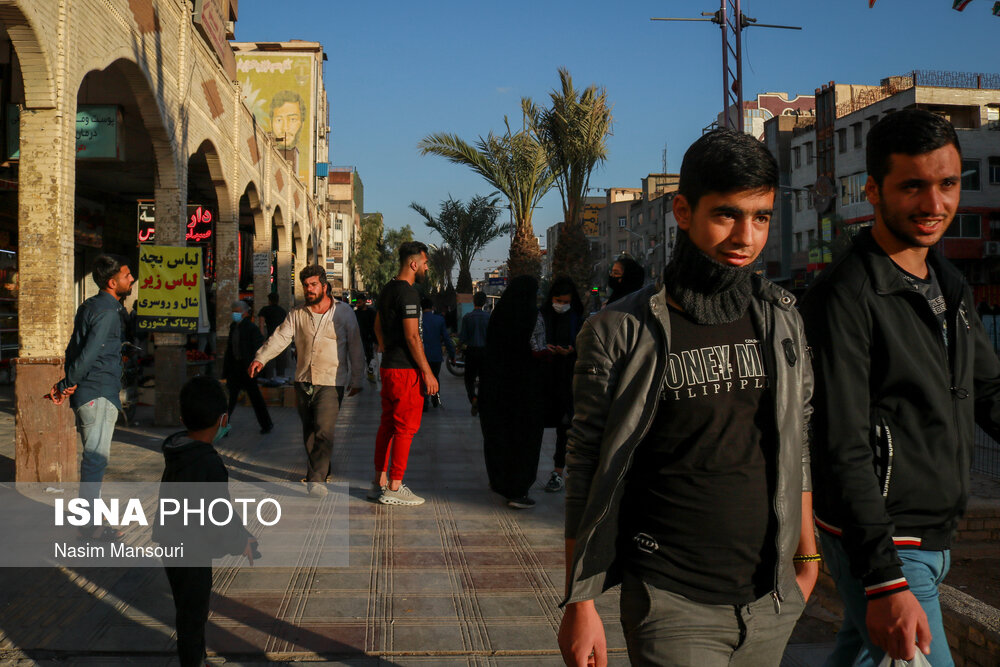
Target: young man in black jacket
[[904, 370], [190, 458], [687, 460]]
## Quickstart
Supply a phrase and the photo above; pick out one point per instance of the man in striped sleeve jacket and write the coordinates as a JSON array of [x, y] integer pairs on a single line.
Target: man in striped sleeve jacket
[[904, 370]]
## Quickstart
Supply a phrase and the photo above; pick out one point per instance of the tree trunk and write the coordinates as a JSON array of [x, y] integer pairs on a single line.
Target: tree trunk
[[572, 257], [525, 256], [464, 285]]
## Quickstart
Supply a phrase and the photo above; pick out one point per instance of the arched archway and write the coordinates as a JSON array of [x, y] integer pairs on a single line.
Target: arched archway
[[281, 260], [253, 244], [39, 90], [208, 190]]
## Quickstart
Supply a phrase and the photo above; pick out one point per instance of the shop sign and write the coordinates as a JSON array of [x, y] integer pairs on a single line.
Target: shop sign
[[98, 132], [200, 225], [170, 288], [261, 263]]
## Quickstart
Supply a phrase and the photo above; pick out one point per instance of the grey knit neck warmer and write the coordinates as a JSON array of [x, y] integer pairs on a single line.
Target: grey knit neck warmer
[[709, 292]]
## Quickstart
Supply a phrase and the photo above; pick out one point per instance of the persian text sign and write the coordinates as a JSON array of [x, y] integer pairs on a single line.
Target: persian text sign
[[98, 129], [169, 288]]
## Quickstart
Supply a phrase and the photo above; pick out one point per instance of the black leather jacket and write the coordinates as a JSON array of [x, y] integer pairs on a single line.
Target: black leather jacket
[[619, 372], [893, 430]]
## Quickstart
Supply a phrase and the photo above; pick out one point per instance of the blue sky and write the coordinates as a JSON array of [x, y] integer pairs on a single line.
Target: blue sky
[[399, 71]]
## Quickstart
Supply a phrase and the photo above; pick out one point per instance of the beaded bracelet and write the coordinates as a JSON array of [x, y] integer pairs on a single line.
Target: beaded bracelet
[[807, 558]]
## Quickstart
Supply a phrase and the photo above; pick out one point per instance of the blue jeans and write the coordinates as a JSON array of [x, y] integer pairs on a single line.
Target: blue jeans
[[95, 421], [924, 571]]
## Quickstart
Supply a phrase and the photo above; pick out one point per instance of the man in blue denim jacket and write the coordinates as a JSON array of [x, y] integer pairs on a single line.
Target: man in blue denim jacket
[[94, 368]]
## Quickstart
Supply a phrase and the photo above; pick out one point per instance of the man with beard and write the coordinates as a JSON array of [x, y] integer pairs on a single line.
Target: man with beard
[[406, 376], [93, 374], [904, 372], [688, 467], [330, 360]]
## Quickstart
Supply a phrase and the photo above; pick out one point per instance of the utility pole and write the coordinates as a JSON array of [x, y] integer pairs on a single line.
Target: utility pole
[[732, 21]]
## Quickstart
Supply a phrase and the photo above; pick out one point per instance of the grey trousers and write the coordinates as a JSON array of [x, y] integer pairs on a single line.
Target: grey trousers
[[318, 407], [669, 630]]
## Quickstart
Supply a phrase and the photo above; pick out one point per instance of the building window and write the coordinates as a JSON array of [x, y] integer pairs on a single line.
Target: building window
[[992, 113], [809, 152], [621, 222], [809, 197], [797, 156], [798, 241], [338, 246], [798, 201], [842, 140], [811, 239], [852, 189], [994, 170], [858, 135], [338, 225], [970, 174], [621, 246], [965, 226]]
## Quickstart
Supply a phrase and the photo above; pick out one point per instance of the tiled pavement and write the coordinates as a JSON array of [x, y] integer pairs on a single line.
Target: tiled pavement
[[461, 580]]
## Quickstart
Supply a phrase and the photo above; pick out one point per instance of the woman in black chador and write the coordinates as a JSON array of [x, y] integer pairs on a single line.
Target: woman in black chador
[[510, 395]]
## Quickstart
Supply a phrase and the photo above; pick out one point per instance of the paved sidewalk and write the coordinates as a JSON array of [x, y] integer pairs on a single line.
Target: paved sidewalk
[[461, 580]]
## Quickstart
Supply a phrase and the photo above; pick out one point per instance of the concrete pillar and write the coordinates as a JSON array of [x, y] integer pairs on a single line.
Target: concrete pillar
[[262, 281], [45, 449], [285, 293], [227, 271], [170, 362], [300, 263]]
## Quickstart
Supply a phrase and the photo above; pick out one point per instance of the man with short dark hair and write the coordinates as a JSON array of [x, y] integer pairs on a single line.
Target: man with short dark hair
[[269, 318], [328, 345], [904, 372], [473, 337], [406, 376], [244, 341], [687, 460], [435, 335], [94, 369]]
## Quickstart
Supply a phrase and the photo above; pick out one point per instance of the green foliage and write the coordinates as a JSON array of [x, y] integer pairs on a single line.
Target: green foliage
[[376, 256], [574, 132], [442, 261], [466, 228], [517, 165]]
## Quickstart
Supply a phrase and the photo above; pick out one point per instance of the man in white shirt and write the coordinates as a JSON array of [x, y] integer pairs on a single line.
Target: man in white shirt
[[330, 360]]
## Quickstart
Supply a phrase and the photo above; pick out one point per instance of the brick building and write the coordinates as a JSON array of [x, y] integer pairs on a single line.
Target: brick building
[[176, 131]]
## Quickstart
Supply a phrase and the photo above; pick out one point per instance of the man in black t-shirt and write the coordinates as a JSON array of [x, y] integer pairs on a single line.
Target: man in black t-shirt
[[688, 476], [406, 376]]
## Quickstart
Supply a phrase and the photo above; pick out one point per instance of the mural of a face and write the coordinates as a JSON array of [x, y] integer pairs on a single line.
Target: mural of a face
[[286, 123]]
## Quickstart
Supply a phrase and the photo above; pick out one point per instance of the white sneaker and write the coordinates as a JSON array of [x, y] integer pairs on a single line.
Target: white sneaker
[[375, 491], [401, 496], [316, 489]]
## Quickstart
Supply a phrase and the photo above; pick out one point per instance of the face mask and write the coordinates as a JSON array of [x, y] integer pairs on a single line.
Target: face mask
[[561, 307], [237, 317], [614, 283], [221, 433]]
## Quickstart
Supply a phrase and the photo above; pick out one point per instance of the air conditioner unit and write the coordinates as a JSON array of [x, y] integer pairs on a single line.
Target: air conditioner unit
[[991, 248]]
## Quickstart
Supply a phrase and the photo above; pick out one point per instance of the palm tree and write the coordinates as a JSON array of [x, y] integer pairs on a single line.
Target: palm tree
[[574, 133], [466, 229], [442, 260], [517, 165]]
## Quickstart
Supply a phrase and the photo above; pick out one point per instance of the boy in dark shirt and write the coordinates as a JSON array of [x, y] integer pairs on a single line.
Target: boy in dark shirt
[[191, 457]]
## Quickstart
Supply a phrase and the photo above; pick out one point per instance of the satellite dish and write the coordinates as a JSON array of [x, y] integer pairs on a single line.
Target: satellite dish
[[823, 194]]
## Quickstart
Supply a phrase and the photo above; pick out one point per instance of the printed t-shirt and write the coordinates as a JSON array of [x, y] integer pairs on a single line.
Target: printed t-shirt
[[697, 515], [399, 301]]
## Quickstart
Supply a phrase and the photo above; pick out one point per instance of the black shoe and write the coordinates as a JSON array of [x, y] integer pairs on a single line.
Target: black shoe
[[522, 503], [267, 429], [436, 400]]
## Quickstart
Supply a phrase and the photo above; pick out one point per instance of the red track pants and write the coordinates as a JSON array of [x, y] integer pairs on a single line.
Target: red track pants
[[402, 408]]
